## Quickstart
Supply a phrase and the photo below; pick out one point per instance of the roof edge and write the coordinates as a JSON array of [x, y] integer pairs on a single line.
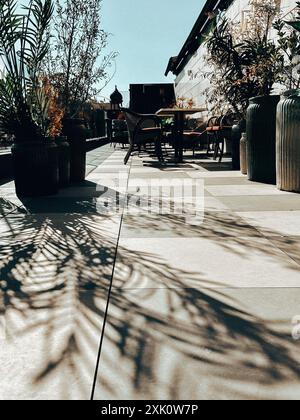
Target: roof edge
[[192, 42]]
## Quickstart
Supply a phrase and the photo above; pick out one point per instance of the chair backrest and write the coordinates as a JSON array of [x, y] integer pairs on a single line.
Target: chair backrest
[[133, 119], [213, 122], [228, 120], [191, 123], [201, 126], [119, 125]]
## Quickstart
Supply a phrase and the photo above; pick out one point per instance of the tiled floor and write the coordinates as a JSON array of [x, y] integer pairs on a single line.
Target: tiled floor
[[56, 261], [205, 310], [205, 286]]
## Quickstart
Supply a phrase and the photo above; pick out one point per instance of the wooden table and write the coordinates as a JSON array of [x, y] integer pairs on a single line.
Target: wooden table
[[179, 115]]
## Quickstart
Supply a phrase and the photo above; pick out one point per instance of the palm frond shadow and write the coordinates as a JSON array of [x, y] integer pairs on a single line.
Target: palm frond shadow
[[195, 328], [226, 229], [55, 272]]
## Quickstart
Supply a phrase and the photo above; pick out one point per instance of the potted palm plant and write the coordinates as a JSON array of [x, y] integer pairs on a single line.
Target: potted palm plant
[[288, 111], [248, 64], [24, 43]]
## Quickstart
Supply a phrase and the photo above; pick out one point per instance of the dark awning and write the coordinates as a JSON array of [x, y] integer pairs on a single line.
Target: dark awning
[[192, 43]]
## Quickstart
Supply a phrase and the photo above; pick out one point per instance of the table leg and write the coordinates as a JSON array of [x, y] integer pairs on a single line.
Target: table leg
[[180, 137], [176, 129]]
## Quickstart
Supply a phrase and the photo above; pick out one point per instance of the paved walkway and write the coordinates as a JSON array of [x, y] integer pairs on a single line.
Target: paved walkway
[[201, 304]]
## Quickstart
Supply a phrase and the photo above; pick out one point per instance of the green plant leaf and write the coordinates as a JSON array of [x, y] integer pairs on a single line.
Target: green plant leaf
[[294, 24], [24, 42]]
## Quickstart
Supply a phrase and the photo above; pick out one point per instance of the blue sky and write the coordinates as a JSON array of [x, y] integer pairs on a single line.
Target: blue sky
[[146, 33]]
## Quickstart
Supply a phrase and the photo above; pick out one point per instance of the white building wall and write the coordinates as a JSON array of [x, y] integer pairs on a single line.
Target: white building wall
[[191, 83]]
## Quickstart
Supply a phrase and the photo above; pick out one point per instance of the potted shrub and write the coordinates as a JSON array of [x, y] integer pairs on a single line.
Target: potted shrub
[[24, 42], [261, 113], [248, 64], [55, 116], [288, 111], [72, 66], [264, 67], [225, 94], [230, 89]]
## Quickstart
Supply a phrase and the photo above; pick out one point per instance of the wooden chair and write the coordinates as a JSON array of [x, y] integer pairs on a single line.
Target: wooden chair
[[195, 137], [143, 129], [119, 133], [224, 133], [218, 130], [212, 129]]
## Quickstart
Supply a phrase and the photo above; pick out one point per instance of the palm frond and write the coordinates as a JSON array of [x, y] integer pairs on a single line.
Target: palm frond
[[24, 42]]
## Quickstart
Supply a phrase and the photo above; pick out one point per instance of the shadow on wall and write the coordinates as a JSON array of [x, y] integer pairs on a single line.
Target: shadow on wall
[[55, 273]]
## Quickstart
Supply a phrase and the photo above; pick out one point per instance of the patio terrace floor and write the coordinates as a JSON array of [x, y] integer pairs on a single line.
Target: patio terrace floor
[[172, 305]]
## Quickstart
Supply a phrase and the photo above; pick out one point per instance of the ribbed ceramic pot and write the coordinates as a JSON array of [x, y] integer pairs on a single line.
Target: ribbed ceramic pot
[[288, 142], [261, 139]]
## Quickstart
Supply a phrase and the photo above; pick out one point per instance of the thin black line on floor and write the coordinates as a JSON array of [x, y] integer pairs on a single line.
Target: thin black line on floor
[[108, 299]]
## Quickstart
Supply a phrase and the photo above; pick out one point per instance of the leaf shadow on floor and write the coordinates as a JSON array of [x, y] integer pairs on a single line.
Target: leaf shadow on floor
[[55, 271]]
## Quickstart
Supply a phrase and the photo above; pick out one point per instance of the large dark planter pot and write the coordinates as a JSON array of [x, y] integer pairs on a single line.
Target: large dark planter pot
[[76, 132], [236, 134], [35, 168], [261, 139], [64, 161], [288, 142], [100, 123]]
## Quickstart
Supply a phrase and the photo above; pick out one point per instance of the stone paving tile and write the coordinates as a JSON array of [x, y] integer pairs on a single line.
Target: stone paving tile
[[290, 245], [111, 169], [284, 223], [50, 343], [220, 225], [94, 176], [212, 262], [114, 164], [63, 205], [159, 175], [214, 204], [167, 189], [229, 181], [276, 202], [200, 344], [242, 190], [90, 192], [6, 206], [220, 174]]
